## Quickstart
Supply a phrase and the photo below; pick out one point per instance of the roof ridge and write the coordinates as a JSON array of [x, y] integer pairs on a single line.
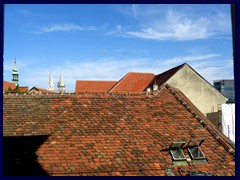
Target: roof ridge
[[38, 88], [166, 75], [140, 72], [115, 85], [82, 94], [219, 136], [97, 80]]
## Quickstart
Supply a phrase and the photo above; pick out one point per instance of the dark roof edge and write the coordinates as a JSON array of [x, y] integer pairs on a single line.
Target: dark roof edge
[[34, 87], [117, 83], [154, 79], [219, 136], [177, 69]]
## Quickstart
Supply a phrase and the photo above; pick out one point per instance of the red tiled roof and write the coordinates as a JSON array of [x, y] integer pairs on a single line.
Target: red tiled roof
[[23, 88], [41, 90], [6, 85], [197, 113], [94, 86], [114, 134], [133, 82]]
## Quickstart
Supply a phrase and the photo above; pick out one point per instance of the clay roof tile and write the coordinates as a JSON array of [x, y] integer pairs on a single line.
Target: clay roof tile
[[133, 82], [111, 134]]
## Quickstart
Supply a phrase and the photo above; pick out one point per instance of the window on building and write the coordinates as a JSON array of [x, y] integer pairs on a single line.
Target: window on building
[[176, 151], [195, 151]]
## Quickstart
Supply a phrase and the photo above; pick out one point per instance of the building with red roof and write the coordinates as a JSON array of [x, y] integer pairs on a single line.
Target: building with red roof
[[94, 86], [8, 85], [141, 134], [133, 82], [201, 93]]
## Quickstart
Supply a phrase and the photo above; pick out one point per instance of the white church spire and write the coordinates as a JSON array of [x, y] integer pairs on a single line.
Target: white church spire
[[50, 84], [61, 86]]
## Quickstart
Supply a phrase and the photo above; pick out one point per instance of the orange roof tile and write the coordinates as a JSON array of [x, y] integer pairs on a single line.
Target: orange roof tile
[[133, 82], [6, 85], [23, 88], [94, 86], [113, 134]]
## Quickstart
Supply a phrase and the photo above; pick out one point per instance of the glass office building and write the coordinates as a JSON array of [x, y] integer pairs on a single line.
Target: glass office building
[[226, 87]]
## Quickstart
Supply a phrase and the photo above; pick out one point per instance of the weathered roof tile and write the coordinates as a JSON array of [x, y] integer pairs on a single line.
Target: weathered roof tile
[[114, 134]]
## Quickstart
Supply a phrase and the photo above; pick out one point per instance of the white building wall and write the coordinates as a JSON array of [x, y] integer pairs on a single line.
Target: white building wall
[[228, 121]]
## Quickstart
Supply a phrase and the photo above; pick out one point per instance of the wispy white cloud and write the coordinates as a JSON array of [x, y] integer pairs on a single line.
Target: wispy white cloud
[[118, 30], [65, 27], [115, 69], [210, 66], [192, 58], [101, 69], [68, 27], [21, 63], [134, 10], [214, 69], [176, 23], [176, 26]]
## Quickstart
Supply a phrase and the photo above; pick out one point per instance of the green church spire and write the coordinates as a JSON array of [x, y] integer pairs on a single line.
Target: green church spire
[[15, 74]]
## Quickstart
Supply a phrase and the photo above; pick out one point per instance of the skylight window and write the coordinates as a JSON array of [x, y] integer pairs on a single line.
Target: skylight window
[[195, 150], [176, 151], [196, 153]]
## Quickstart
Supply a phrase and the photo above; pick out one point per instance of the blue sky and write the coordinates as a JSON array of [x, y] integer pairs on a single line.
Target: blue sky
[[104, 42]]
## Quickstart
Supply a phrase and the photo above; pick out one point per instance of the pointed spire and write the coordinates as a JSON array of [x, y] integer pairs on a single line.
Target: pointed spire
[[15, 73], [50, 84], [61, 86], [15, 65], [61, 83]]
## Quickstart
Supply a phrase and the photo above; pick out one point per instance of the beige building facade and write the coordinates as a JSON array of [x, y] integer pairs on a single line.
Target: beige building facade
[[201, 93]]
